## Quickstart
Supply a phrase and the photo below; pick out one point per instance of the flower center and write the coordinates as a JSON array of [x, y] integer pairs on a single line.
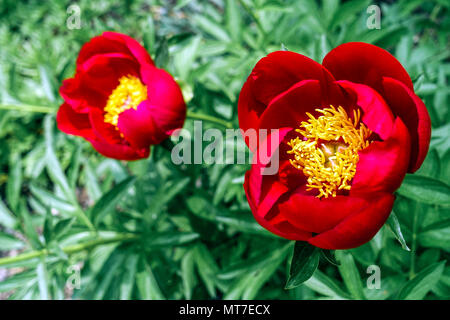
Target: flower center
[[128, 94], [328, 151]]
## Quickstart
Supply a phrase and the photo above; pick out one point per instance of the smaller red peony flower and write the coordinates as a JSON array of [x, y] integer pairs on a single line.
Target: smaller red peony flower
[[118, 100], [349, 131]]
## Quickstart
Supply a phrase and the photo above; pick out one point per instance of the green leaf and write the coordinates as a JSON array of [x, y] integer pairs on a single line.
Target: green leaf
[[29, 228], [7, 219], [8, 242], [233, 19], [146, 283], [62, 227], [42, 277], [394, 226], [185, 58], [206, 267], [162, 53], [51, 201], [106, 204], [304, 262], [169, 239], [53, 166], [350, 274], [426, 190], [422, 283], [14, 182], [261, 276], [126, 286], [211, 27], [327, 286], [437, 226], [240, 220], [188, 274], [329, 256], [48, 83]]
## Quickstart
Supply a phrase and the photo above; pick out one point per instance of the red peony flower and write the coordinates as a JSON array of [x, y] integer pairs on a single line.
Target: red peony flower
[[118, 100], [349, 131]]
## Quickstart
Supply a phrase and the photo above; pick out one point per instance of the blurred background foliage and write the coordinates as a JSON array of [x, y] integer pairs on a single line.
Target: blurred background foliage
[[153, 230]]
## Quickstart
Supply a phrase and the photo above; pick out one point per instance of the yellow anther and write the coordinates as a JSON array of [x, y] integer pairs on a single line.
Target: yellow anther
[[128, 94], [329, 164]]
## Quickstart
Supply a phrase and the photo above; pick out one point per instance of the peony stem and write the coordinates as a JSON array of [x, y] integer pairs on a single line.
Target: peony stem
[[69, 249], [27, 107], [43, 109], [212, 119]]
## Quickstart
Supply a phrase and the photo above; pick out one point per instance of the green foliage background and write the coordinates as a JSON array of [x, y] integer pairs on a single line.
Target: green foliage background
[[153, 230]]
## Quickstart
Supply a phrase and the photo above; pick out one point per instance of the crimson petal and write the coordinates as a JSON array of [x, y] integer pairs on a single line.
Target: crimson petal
[[358, 228], [365, 63], [409, 107]]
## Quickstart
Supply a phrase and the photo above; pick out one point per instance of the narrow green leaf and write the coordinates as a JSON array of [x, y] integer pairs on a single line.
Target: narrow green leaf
[[394, 225], [350, 274], [14, 182], [233, 19], [48, 83], [146, 283], [422, 283], [7, 219], [426, 190], [53, 166], [437, 226], [329, 256], [28, 228], [211, 27], [127, 284], [304, 262], [261, 276], [8, 242], [42, 277], [51, 201], [188, 274], [327, 286], [206, 267], [169, 239], [106, 204]]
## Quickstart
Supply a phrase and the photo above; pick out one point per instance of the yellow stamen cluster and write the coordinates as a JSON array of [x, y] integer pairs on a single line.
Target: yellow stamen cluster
[[328, 151], [128, 94]]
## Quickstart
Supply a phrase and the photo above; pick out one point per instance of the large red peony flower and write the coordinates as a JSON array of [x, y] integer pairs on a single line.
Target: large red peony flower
[[349, 131], [118, 100]]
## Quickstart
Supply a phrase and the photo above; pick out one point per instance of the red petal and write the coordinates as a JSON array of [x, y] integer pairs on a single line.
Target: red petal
[[407, 105], [249, 109], [135, 47], [280, 228], [289, 108], [383, 164], [138, 126], [318, 215], [80, 97], [103, 131], [99, 45], [271, 76], [110, 42], [280, 70], [102, 72], [358, 228], [74, 123], [119, 151], [165, 99], [376, 113], [365, 63], [263, 191]]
